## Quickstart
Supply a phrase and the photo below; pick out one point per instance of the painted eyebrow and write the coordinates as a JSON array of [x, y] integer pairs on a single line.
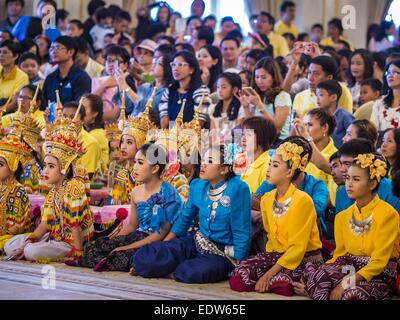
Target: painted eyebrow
[[275, 162]]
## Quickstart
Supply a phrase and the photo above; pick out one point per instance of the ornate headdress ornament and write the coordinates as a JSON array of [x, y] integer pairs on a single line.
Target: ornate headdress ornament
[[291, 152], [25, 126], [13, 151], [377, 167], [62, 138], [138, 127]]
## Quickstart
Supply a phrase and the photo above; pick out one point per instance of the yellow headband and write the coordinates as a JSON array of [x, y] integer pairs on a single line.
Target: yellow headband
[[377, 167], [291, 152]]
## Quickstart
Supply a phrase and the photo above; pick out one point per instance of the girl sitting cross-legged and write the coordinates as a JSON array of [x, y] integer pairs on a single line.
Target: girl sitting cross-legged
[[367, 237], [222, 203], [290, 221], [155, 204]]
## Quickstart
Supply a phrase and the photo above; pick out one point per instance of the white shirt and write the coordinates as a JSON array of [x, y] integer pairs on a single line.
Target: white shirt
[[385, 118]]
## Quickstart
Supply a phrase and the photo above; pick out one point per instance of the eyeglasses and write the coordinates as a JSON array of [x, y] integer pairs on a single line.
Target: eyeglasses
[[393, 73], [57, 48], [178, 65]]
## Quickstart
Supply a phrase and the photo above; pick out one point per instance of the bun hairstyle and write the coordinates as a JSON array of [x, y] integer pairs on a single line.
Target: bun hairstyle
[[155, 155], [296, 159]]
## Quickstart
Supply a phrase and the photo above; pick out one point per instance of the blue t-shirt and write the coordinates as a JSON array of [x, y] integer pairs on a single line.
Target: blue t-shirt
[[343, 120], [72, 88]]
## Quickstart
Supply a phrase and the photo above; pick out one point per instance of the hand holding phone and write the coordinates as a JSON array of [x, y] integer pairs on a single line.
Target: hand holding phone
[[116, 68], [249, 91]]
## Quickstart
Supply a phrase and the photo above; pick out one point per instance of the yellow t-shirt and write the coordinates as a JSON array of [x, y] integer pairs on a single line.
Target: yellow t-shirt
[[281, 28], [256, 174], [281, 47], [380, 243], [312, 170], [12, 83], [306, 100], [7, 120], [295, 232], [328, 42], [90, 159], [100, 136]]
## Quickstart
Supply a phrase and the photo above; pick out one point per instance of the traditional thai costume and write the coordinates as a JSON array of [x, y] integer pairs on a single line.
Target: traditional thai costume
[[367, 243], [293, 237], [160, 209], [67, 206], [209, 255], [26, 127], [137, 128], [15, 215]]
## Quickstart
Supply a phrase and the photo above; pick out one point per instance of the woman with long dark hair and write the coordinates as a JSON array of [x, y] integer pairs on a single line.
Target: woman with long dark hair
[[268, 99], [224, 114], [210, 62], [187, 86], [386, 112], [391, 150], [360, 68], [382, 42]]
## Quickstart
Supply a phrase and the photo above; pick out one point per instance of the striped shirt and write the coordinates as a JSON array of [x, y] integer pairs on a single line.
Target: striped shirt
[[171, 102]]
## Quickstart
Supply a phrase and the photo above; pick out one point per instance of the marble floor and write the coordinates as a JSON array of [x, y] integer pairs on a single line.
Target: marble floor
[[29, 281]]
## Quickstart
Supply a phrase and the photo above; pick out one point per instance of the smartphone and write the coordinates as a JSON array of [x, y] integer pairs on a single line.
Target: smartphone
[[116, 68], [180, 26], [52, 113], [248, 91]]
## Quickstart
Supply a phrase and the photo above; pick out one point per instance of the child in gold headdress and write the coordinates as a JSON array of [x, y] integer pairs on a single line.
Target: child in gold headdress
[[66, 221], [133, 136], [290, 220], [367, 237], [26, 126], [14, 203]]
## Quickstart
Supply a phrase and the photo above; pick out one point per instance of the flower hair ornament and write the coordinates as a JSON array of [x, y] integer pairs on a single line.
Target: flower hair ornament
[[291, 153], [232, 150], [377, 167]]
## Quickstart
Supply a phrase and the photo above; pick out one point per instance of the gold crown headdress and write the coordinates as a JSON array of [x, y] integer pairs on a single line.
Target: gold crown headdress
[[62, 138], [291, 152], [138, 127], [377, 167], [25, 126], [13, 151], [190, 133]]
